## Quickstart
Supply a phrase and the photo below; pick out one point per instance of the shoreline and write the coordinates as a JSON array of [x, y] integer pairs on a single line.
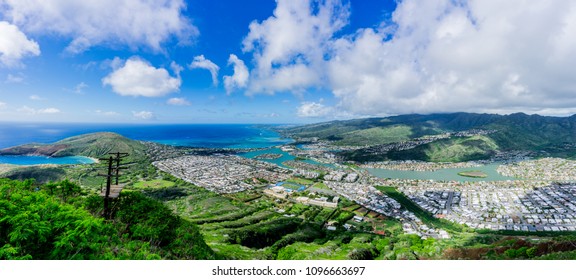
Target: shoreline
[[47, 158]]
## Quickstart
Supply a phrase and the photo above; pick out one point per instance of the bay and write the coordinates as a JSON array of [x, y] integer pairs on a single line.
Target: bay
[[35, 160], [189, 135]]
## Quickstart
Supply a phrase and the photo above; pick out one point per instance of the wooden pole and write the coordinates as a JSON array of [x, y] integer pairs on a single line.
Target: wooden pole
[[106, 196]]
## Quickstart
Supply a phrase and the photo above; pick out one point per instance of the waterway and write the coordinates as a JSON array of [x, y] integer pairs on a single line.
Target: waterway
[[35, 160], [448, 174]]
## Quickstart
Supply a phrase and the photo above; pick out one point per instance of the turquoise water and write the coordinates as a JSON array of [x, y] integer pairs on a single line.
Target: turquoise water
[[189, 135], [448, 174], [278, 161], [33, 160]]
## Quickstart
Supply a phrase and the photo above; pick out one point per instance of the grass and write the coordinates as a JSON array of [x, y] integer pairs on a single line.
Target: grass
[[245, 196], [154, 184], [300, 181], [376, 135], [320, 185], [461, 149], [338, 247]]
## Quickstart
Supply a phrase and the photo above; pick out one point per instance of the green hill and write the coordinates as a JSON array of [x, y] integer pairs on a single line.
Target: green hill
[[89, 145], [499, 133]]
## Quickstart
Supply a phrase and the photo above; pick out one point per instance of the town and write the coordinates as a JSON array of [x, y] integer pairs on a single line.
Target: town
[[542, 203]]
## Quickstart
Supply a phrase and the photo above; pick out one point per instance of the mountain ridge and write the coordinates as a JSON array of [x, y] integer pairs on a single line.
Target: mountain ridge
[[505, 133]]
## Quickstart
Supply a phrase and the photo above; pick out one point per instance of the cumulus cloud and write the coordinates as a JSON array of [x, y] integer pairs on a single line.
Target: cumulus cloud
[[203, 63], [87, 23], [240, 77], [31, 111], [138, 78], [450, 56], [14, 45], [430, 56], [143, 115], [178, 101], [313, 110], [289, 46]]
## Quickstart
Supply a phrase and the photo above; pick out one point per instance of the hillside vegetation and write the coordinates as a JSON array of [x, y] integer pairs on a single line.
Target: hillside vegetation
[[553, 136], [89, 145], [58, 221]]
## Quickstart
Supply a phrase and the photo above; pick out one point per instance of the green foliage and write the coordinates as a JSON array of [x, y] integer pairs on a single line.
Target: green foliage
[[376, 135], [37, 225], [306, 233], [38, 173], [570, 255], [344, 216], [263, 234], [361, 254], [38, 222], [460, 149], [145, 219], [512, 132]]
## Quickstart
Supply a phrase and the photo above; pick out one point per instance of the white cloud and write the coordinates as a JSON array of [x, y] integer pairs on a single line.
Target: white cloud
[[14, 45], [48, 111], [79, 88], [14, 79], [203, 63], [178, 101], [240, 77], [313, 110], [107, 113], [31, 111], [36, 97], [289, 46], [134, 23], [143, 115], [447, 56], [430, 56], [3, 105], [138, 78]]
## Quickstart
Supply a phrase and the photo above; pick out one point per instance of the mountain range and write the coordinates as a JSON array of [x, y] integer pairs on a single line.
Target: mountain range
[[457, 136]]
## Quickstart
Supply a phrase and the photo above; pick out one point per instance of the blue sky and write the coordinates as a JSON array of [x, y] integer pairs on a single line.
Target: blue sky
[[285, 61]]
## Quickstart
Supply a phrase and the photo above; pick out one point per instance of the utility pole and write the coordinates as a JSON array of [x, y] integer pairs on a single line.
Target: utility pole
[[112, 191], [119, 157]]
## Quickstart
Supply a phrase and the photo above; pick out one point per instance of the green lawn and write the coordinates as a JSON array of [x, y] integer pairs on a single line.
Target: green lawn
[[300, 181], [154, 184], [321, 186]]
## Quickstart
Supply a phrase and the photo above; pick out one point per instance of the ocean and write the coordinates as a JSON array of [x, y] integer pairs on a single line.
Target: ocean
[[191, 135]]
